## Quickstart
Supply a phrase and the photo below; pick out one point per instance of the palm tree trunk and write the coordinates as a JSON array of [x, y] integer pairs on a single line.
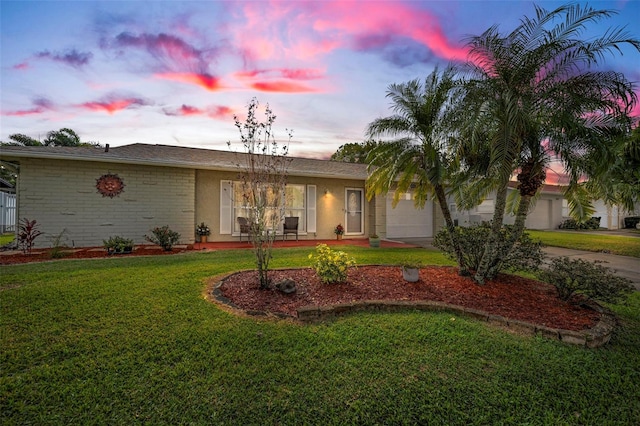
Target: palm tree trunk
[[463, 270], [516, 233], [491, 250]]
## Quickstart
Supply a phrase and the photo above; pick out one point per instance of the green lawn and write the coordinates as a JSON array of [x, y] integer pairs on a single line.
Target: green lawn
[[132, 340], [614, 244], [6, 239]]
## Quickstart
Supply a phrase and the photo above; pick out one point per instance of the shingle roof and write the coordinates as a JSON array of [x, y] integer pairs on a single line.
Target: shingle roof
[[175, 156]]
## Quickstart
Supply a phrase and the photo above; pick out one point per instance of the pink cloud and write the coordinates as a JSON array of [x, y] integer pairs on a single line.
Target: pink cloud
[[40, 106], [306, 30], [205, 81], [281, 86], [217, 112], [113, 104]]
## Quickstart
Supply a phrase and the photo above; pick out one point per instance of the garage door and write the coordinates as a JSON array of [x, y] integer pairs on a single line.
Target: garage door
[[540, 217], [406, 221]]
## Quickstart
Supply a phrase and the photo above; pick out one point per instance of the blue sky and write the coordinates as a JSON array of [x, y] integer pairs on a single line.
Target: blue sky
[[175, 73]]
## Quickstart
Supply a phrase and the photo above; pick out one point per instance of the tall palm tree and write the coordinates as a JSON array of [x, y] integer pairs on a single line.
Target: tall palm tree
[[419, 158], [537, 94]]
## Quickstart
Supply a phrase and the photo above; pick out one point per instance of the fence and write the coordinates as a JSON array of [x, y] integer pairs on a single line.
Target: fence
[[7, 212]]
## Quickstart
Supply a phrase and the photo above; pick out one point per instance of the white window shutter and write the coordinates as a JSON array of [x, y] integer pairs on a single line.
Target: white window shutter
[[311, 208], [226, 200]]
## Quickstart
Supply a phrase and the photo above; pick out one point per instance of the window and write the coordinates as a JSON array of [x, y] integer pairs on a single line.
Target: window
[[294, 205]]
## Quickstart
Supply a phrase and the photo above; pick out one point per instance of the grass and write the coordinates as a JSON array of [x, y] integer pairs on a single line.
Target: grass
[[6, 238], [614, 244], [132, 340]]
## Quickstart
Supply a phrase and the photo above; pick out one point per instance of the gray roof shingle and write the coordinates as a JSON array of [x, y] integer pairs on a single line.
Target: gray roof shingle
[[175, 156]]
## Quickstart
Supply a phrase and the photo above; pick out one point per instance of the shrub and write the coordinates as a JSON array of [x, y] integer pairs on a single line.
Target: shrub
[[164, 237], [526, 254], [591, 223], [58, 244], [118, 244], [578, 276], [331, 266], [27, 234]]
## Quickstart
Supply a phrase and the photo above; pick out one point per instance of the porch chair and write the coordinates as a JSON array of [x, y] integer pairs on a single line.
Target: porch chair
[[290, 227], [245, 227]]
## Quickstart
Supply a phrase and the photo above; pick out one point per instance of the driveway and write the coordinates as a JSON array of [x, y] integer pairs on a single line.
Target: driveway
[[625, 266]]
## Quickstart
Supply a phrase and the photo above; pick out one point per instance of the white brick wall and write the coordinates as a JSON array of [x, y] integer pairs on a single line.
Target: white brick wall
[[62, 195]]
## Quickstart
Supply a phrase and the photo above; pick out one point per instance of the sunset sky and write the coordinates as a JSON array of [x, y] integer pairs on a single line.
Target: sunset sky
[[175, 73]]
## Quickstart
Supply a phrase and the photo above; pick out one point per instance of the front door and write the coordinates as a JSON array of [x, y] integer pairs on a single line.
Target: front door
[[354, 211]]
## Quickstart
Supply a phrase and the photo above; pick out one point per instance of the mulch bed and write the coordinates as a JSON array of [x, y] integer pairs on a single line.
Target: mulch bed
[[508, 296], [38, 255]]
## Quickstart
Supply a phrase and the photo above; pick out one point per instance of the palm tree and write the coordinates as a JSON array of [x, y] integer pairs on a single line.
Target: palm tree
[[536, 95], [419, 157]]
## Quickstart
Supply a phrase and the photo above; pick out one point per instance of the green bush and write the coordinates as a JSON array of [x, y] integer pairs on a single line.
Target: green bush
[[578, 276], [331, 266], [526, 254], [591, 223], [164, 237], [118, 244]]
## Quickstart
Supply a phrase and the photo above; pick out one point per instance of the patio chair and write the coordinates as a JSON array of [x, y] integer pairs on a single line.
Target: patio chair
[[245, 227], [290, 227]]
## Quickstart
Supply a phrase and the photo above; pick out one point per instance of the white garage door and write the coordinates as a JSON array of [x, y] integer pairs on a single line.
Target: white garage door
[[406, 221], [540, 217]]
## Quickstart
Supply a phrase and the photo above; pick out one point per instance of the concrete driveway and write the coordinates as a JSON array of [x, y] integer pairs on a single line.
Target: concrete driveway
[[625, 266]]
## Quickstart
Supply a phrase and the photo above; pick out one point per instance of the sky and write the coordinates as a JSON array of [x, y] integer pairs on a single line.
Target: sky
[[176, 72]]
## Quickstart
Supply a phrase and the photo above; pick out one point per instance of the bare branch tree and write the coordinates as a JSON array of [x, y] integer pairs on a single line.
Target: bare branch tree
[[263, 177]]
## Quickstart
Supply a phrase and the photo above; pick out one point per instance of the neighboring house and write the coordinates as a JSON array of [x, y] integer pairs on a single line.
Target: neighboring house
[[612, 217], [548, 212], [7, 207], [78, 189]]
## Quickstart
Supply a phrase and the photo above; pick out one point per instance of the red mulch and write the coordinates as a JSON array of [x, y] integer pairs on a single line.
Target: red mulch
[[38, 255], [508, 296]]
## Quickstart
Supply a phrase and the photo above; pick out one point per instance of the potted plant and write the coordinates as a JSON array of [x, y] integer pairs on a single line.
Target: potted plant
[[411, 271], [203, 232], [374, 240], [118, 245], [339, 231]]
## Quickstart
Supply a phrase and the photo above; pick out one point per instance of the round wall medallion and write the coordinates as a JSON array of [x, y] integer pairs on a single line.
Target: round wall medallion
[[109, 185]]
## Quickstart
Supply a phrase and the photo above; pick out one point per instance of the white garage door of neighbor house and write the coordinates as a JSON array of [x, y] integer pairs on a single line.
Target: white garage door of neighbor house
[[540, 217], [406, 221]]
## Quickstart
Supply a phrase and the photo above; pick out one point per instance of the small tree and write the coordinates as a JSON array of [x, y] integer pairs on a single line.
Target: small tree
[[263, 176]]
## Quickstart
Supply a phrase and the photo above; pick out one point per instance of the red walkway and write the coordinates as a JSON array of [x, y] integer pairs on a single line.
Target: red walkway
[[223, 245]]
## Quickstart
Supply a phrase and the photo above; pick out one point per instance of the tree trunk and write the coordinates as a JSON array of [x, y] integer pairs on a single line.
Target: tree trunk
[[516, 233], [451, 229], [490, 250]]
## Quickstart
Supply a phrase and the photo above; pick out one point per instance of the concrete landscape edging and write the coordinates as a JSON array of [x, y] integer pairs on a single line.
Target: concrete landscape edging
[[594, 337]]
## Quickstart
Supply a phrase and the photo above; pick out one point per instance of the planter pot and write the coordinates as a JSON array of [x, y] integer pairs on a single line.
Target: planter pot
[[203, 238], [374, 242], [410, 274], [338, 237]]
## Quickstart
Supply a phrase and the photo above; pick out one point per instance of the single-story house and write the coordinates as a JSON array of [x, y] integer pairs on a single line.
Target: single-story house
[[95, 193], [549, 210]]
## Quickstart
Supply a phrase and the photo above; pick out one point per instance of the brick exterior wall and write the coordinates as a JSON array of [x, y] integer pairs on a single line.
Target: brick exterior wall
[[62, 194]]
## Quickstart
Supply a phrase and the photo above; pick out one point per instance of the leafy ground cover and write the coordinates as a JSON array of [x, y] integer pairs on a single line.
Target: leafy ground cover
[[133, 340], [590, 241]]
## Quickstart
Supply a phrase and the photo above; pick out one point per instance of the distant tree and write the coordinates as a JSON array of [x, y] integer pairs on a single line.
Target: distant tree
[[354, 152], [263, 176], [18, 139], [62, 137]]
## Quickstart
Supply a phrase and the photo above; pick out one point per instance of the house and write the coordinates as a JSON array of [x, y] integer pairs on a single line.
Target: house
[[95, 193], [548, 212]]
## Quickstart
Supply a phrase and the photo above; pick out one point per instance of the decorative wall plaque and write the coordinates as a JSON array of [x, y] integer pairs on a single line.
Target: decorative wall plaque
[[109, 185]]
